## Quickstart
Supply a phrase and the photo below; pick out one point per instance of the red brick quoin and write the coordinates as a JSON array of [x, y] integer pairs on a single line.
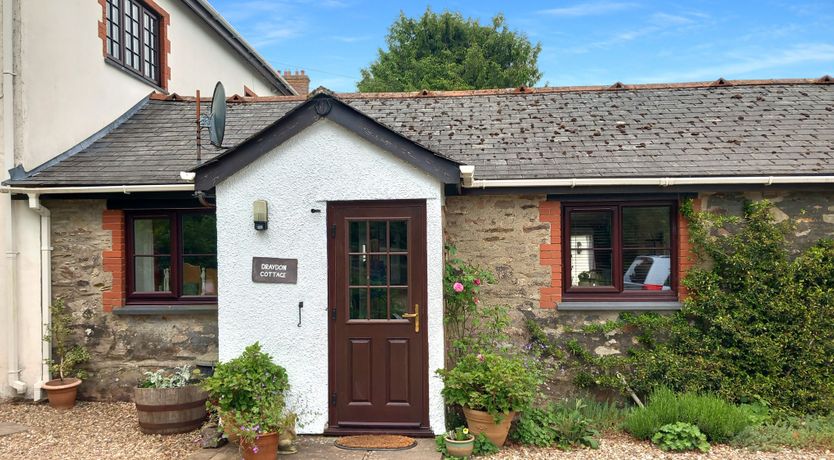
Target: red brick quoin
[[550, 253], [114, 259]]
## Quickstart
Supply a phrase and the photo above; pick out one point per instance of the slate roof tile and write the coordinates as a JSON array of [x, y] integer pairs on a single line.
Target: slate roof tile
[[772, 128]]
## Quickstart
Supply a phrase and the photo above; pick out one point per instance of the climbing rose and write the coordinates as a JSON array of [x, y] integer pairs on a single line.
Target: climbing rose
[[477, 282], [458, 287]]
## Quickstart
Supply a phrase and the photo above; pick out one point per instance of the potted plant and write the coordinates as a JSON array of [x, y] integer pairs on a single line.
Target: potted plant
[[491, 388], [169, 402], [248, 394], [63, 391], [459, 442]]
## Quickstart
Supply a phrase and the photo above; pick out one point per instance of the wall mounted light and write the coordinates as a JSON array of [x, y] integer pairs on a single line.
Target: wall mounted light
[[260, 214]]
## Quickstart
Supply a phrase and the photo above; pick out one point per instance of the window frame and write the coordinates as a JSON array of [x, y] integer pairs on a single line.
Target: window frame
[[175, 296], [617, 292], [121, 61]]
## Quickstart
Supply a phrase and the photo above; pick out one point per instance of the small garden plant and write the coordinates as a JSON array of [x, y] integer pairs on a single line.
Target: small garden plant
[[248, 394], [67, 357], [680, 436], [460, 433], [556, 425], [483, 447], [180, 377], [719, 420]]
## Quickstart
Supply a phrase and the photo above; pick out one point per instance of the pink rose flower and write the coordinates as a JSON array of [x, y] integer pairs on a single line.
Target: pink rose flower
[[480, 357], [477, 301], [458, 287], [477, 282]]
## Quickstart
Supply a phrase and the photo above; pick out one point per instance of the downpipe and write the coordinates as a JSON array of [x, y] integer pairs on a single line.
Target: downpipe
[[37, 206]]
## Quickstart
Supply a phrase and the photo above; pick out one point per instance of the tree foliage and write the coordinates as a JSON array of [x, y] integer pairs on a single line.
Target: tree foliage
[[447, 52], [757, 325]]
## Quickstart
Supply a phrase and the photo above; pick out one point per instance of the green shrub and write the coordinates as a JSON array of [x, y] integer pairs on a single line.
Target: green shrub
[[810, 432], [602, 416], [561, 425], [491, 382], [483, 446], [680, 436], [66, 357], [719, 420], [758, 323]]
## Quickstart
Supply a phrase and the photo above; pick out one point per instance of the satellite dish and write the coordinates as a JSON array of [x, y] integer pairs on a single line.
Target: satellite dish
[[216, 120]]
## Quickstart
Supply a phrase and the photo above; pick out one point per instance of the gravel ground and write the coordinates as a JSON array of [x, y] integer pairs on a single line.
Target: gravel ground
[[89, 431], [621, 447]]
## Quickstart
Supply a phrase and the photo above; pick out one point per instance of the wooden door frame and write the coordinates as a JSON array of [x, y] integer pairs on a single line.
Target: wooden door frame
[[332, 429]]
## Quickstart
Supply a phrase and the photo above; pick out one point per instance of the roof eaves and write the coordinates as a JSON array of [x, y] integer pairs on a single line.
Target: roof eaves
[[208, 14], [20, 175]]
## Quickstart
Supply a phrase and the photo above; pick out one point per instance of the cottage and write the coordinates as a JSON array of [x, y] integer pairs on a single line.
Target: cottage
[[318, 227]]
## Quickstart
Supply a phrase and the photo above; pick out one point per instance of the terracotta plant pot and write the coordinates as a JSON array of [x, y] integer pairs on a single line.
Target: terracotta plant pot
[[265, 447], [481, 422], [62, 394], [460, 448]]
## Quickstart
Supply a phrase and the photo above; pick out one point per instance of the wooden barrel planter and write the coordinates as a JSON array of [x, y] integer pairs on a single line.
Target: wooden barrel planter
[[170, 410]]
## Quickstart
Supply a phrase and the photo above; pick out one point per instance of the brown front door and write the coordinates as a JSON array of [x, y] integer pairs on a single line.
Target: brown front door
[[378, 349]]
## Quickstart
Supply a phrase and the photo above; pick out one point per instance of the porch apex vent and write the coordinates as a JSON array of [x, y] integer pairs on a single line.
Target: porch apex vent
[[617, 85], [826, 79], [721, 82]]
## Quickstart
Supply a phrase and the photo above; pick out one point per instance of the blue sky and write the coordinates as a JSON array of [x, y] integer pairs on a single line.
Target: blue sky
[[583, 42]]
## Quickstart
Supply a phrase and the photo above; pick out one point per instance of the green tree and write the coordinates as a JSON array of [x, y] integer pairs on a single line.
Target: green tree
[[447, 52]]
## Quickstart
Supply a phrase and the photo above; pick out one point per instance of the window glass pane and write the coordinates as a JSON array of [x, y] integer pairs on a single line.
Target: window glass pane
[[379, 236], [358, 303], [199, 275], [591, 268], [199, 233], [399, 302], [358, 236], [399, 270], [358, 270], [647, 270], [379, 270], [152, 236], [647, 227], [379, 303], [399, 235], [590, 229], [152, 274]]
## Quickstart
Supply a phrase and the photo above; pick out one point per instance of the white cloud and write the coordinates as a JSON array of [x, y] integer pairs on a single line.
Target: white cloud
[[738, 64], [351, 39], [589, 9]]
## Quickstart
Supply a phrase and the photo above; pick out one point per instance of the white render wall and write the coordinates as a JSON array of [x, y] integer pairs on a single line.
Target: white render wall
[[325, 162]]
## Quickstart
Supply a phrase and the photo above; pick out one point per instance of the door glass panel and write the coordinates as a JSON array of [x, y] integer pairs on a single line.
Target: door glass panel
[[378, 236], [358, 270], [379, 270], [399, 270], [358, 303], [358, 235], [399, 235], [379, 303], [399, 302]]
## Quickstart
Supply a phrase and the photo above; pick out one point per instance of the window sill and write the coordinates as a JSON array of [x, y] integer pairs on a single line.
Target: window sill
[[619, 306], [160, 310], [118, 65]]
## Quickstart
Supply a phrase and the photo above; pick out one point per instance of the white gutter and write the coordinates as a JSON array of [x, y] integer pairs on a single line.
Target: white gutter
[[126, 189], [468, 175], [46, 289], [8, 157]]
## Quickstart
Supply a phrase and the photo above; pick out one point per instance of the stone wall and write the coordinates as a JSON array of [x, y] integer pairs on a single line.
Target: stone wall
[[122, 347], [511, 236]]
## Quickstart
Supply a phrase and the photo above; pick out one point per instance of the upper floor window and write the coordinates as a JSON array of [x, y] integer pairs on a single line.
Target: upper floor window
[[133, 37], [620, 251]]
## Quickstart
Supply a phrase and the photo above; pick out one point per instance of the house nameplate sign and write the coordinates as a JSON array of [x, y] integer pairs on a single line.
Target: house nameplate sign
[[273, 270]]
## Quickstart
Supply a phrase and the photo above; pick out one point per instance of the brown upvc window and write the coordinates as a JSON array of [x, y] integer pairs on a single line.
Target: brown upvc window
[[620, 251], [171, 256], [132, 30]]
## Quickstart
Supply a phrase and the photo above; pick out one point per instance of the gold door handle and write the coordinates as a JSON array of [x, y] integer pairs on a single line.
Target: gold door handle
[[416, 316]]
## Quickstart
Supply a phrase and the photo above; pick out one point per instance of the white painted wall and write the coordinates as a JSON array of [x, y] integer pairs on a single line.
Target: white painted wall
[[65, 92], [325, 162]]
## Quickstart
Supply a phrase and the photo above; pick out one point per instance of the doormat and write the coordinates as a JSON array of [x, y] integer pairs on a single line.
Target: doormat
[[376, 442]]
